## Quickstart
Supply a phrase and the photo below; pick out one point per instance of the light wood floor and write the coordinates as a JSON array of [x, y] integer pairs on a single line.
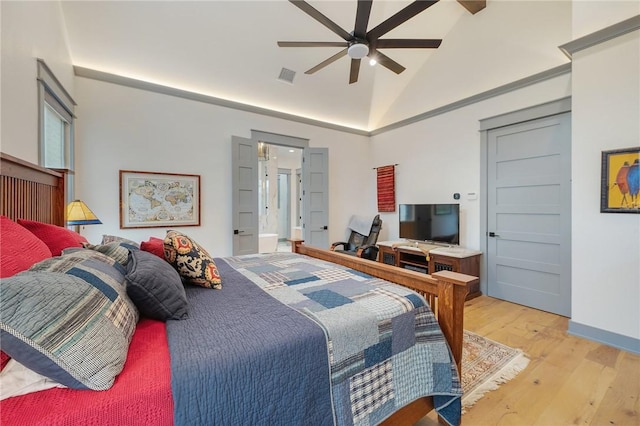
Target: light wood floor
[[569, 381]]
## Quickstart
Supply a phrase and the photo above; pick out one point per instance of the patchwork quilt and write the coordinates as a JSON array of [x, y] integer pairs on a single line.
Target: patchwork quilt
[[384, 346]]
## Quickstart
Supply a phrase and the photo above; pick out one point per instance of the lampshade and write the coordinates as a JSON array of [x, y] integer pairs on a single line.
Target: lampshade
[[79, 214]]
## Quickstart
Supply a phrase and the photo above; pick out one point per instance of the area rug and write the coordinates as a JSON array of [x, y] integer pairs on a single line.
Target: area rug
[[486, 364]]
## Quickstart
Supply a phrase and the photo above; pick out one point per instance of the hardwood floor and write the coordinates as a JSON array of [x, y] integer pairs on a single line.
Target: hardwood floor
[[569, 381]]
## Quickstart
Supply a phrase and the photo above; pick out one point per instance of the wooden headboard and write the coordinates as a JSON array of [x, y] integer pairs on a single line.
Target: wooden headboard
[[31, 192]]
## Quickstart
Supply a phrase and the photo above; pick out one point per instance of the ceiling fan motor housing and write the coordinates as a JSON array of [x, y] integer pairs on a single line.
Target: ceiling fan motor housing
[[358, 50]]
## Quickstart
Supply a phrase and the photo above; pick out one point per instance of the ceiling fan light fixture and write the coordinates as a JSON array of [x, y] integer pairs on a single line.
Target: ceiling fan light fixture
[[358, 51], [373, 62]]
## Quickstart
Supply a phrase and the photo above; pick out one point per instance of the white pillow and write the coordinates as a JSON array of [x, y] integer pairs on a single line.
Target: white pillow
[[16, 379]]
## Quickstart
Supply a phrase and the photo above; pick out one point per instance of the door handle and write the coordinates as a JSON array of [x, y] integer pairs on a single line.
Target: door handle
[[236, 232], [493, 234], [325, 227]]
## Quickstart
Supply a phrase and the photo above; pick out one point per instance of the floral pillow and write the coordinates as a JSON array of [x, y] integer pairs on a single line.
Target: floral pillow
[[191, 261]]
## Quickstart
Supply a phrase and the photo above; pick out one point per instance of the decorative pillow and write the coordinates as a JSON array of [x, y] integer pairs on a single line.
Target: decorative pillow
[[106, 239], [154, 245], [71, 256], [73, 326], [155, 287], [55, 237], [191, 261], [117, 250], [19, 248]]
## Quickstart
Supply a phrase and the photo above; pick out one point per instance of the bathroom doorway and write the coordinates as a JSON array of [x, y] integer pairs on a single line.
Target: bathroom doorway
[[278, 190], [284, 204]]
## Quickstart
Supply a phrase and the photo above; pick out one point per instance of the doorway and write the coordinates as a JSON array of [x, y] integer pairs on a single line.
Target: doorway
[[276, 165], [528, 209], [255, 183]]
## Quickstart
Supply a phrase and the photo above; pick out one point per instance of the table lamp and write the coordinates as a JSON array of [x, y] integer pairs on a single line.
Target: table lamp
[[79, 214]]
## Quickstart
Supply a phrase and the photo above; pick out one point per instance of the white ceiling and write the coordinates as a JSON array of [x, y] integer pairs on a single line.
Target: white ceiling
[[227, 49]]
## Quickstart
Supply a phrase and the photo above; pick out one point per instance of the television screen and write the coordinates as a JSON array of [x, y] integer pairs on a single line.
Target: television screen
[[430, 222]]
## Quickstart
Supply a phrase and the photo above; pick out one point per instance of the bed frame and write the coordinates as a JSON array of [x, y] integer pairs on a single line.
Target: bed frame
[[31, 192], [445, 291], [36, 193]]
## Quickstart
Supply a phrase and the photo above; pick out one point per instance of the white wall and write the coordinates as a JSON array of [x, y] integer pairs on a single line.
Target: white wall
[[29, 30], [506, 41], [606, 246], [440, 156], [121, 128]]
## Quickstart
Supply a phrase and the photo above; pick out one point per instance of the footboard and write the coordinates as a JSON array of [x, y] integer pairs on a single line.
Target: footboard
[[445, 290]]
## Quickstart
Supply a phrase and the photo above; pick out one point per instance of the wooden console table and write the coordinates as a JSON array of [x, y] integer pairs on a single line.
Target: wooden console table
[[454, 259]]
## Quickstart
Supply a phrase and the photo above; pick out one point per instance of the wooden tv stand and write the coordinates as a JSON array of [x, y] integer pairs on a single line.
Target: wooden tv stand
[[439, 258]]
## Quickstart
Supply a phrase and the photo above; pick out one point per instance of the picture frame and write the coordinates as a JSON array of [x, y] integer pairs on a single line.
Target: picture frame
[[620, 181], [157, 200]]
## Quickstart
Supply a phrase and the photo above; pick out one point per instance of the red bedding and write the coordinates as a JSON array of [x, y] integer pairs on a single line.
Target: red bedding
[[140, 395]]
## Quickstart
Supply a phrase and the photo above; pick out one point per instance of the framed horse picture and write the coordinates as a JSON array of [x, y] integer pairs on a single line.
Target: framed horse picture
[[620, 181]]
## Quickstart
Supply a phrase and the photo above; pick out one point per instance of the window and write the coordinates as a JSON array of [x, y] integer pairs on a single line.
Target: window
[[55, 128], [55, 139]]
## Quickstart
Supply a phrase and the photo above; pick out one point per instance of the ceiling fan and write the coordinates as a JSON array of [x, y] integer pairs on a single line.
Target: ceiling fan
[[361, 43]]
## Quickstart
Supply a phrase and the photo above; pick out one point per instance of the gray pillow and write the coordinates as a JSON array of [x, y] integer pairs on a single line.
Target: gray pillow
[[155, 287]]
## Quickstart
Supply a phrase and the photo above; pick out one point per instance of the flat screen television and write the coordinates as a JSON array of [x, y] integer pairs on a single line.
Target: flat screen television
[[430, 222]]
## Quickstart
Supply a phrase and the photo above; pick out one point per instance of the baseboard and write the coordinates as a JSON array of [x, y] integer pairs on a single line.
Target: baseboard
[[609, 338]]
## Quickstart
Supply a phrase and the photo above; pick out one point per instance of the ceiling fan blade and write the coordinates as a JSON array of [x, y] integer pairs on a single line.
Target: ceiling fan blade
[[403, 15], [387, 62], [355, 69], [473, 6], [326, 62], [392, 43], [315, 14], [312, 44], [362, 18]]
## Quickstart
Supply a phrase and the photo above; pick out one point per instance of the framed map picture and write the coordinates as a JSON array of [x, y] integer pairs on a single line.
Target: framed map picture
[[154, 200]]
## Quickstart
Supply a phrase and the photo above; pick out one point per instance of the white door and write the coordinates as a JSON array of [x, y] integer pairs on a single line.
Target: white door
[[529, 213], [244, 165], [315, 196]]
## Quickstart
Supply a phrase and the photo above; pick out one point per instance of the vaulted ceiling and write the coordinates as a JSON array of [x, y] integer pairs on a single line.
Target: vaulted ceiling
[[228, 50]]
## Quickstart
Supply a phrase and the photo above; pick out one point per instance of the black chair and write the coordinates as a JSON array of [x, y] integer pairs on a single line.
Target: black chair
[[360, 245]]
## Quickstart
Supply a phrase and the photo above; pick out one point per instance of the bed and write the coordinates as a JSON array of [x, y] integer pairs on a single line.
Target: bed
[[292, 338]]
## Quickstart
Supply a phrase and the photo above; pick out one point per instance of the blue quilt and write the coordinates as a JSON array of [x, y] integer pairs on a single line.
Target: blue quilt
[[243, 358], [380, 346]]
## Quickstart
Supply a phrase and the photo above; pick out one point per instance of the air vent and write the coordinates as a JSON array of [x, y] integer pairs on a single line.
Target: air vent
[[287, 75]]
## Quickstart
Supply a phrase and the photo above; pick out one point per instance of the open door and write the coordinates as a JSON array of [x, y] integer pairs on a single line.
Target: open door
[[315, 196], [244, 166]]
